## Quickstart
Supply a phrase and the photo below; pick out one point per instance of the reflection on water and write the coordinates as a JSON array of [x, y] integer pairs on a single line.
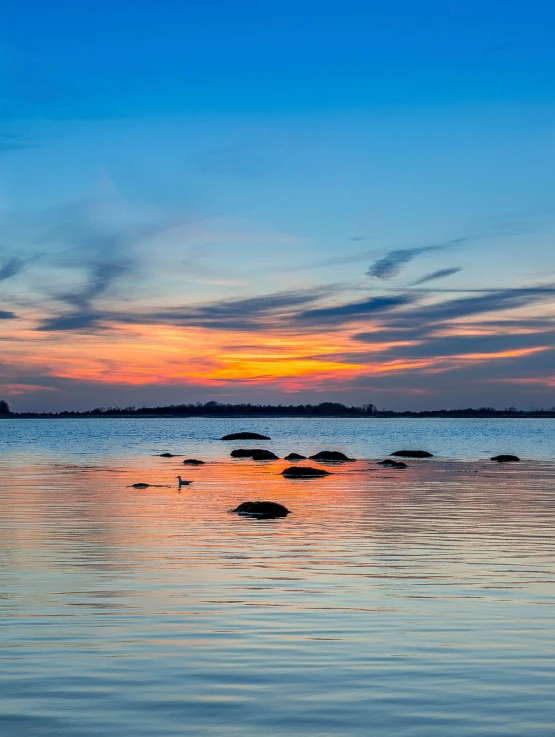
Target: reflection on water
[[415, 602]]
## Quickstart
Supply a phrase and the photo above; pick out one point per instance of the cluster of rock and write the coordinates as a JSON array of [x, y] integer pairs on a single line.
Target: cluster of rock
[[261, 454], [272, 510]]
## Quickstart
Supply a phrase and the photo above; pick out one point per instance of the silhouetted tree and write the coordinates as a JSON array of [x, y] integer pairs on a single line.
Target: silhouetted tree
[[4, 407]]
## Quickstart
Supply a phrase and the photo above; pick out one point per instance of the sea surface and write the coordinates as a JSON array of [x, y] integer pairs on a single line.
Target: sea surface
[[410, 603]]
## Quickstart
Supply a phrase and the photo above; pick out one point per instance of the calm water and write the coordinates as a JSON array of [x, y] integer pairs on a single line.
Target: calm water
[[417, 602]]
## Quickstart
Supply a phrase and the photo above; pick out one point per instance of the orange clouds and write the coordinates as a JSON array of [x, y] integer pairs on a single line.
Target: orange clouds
[[160, 354], [537, 380], [288, 359], [147, 354], [502, 354]]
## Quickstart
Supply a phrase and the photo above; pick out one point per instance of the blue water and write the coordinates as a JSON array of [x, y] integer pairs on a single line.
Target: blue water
[[365, 438], [417, 602]]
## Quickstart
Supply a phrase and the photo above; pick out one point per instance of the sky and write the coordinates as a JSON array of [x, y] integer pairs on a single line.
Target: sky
[[291, 201]]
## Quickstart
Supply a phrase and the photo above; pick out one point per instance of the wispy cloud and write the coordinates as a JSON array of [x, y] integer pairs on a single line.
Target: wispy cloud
[[11, 267], [440, 274], [393, 263], [472, 345], [93, 242], [494, 301], [351, 311], [252, 313]]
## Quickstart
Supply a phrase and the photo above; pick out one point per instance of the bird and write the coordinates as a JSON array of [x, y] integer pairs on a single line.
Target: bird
[[182, 482]]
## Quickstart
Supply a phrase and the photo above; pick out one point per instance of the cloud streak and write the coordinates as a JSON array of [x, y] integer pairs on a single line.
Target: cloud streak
[[393, 263], [345, 313], [252, 313], [440, 274], [11, 267]]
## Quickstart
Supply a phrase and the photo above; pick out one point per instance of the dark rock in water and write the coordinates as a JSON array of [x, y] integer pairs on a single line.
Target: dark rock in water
[[245, 436], [505, 459], [303, 472], [392, 464], [294, 457], [245, 452], [167, 455], [330, 455], [257, 454], [261, 510], [193, 462], [264, 455], [412, 454], [140, 486]]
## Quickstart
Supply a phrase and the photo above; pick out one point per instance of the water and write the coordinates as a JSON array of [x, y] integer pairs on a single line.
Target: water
[[364, 438], [415, 602]]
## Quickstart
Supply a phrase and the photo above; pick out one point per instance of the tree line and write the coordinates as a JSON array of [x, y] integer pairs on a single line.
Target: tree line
[[324, 409]]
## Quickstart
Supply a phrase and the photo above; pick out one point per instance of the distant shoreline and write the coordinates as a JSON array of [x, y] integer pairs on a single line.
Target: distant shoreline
[[215, 410], [378, 416]]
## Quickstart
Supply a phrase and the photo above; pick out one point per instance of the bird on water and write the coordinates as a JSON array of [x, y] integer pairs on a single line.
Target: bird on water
[[182, 482]]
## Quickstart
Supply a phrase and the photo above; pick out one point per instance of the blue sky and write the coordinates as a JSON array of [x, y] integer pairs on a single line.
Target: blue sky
[[106, 59], [159, 158]]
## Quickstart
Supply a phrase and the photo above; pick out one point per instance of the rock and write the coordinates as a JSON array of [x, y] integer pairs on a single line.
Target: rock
[[245, 436], [167, 455], [330, 455], [412, 454], [303, 472], [140, 486], [265, 455], [392, 464], [505, 459], [245, 452], [193, 462], [294, 457], [261, 510], [257, 454]]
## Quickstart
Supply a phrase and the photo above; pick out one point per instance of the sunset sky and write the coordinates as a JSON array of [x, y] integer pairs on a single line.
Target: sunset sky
[[253, 200]]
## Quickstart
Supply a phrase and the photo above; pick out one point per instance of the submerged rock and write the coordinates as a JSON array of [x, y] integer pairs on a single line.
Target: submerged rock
[[294, 457], [330, 455], [303, 472], [257, 454], [167, 455], [505, 459], [412, 454], [193, 462], [140, 486], [261, 510], [245, 436], [392, 464]]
